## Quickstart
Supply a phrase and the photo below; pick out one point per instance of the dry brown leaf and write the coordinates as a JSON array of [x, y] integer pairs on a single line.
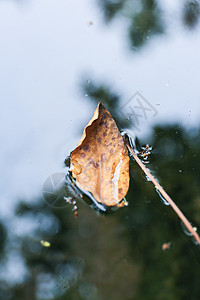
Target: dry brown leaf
[[100, 163]]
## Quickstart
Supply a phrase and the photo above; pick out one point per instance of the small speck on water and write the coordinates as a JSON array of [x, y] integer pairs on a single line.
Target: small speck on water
[[45, 243]]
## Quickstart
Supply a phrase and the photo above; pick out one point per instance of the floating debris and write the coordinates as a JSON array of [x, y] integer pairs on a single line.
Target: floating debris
[[45, 243], [166, 246]]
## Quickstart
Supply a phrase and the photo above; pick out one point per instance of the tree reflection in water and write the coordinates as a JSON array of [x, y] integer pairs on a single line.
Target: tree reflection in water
[[117, 256]]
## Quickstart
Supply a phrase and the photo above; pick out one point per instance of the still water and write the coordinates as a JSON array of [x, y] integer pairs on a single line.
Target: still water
[[58, 60]]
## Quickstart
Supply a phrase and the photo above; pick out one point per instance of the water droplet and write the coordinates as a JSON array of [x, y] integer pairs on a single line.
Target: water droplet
[[195, 242], [145, 161], [185, 230], [162, 198], [147, 178], [86, 95], [180, 171]]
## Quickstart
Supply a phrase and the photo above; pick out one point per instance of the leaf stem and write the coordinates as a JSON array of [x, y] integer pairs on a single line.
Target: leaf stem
[[165, 195]]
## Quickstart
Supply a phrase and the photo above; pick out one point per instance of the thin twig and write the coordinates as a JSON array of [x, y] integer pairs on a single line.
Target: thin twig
[[166, 196]]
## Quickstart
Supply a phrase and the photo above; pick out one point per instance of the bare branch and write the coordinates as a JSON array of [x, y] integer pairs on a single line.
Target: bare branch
[[165, 195]]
